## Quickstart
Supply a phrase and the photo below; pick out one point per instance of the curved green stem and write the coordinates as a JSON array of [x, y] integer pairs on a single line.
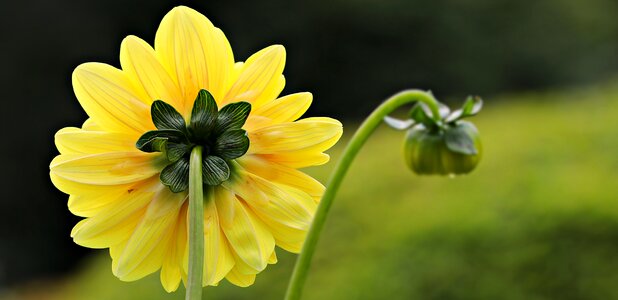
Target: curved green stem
[[430, 101], [196, 226], [372, 122]]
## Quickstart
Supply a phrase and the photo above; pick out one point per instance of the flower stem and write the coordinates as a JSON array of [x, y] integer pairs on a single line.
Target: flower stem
[[372, 122], [196, 226]]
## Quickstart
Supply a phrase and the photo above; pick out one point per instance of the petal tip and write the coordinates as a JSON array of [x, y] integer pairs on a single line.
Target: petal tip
[[130, 41], [180, 9], [277, 49]]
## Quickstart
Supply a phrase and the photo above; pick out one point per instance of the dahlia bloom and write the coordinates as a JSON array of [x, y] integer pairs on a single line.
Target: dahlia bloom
[[132, 196]]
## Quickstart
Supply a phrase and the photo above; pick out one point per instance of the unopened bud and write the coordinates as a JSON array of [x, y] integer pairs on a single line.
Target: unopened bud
[[438, 141], [451, 151]]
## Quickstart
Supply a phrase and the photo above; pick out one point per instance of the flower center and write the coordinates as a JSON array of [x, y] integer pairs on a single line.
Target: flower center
[[219, 132]]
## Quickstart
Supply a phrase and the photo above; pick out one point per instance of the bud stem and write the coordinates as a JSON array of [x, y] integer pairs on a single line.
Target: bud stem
[[370, 124], [428, 99], [196, 226]]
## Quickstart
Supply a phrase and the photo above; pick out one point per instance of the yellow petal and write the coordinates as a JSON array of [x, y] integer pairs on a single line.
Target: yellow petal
[[104, 236], [107, 168], [225, 207], [110, 99], [115, 223], [140, 63], [308, 135], [239, 279], [288, 238], [286, 204], [116, 250], [171, 270], [251, 188], [88, 205], [247, 235], [255, 122], [73, 140], [260, 79], [241, 266], [297, 159], [285, 109], [281, 174], [271, 92], [238, 66], [196, 52], [170, 277], [288, 218], [90, 125], [76, 188], [218, 259], [148, 244], [273, 258]]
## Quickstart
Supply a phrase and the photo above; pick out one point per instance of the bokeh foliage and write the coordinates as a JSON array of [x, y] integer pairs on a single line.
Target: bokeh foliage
[[537, 220]]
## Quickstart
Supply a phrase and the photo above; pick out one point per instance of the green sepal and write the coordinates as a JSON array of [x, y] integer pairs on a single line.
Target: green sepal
[[155, 140], [203, 115], [176, 175], [232, 144], [158, 145], [458, 140], [175, 151], [233, 116], [220, 133], [421, 114], [443, 109], [165, 116], [398, 124], [214, 170], [471, 107]]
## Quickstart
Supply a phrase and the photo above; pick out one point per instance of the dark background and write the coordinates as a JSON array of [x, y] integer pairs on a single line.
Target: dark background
[[350, 54]]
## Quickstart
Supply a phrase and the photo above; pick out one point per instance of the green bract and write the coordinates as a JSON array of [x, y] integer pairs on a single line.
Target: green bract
[[219, 132], [441, 144]]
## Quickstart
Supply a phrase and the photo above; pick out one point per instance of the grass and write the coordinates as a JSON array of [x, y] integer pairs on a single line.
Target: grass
[[538, 219]]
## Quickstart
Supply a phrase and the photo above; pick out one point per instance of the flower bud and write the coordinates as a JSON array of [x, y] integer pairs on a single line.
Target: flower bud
[[452, 149]]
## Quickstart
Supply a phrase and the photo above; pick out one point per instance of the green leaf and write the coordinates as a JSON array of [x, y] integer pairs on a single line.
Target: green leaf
[[165, 116], [155, 140], [421, 114], [458, 140], [214, 170], [175, 151], [398, 124], [233, 116], [176, 175], [232, 144], [471, 107], [203, 115]]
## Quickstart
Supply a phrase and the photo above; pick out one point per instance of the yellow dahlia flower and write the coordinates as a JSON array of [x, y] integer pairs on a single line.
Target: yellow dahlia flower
[[125, 169]]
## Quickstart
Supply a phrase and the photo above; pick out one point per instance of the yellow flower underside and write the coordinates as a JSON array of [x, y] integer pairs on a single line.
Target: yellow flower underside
[[116, 187]]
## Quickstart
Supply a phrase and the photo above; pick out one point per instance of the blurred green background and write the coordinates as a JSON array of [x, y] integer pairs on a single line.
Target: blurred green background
[[538, 219]]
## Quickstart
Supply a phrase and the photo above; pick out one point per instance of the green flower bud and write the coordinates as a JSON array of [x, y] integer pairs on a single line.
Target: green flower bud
[[438, 141], [456, 149]]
